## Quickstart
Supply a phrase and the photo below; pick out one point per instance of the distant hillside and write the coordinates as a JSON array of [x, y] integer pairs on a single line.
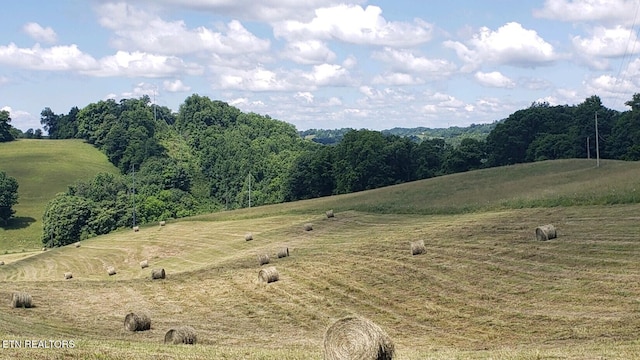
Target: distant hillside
[[452, 135], [42, 169]]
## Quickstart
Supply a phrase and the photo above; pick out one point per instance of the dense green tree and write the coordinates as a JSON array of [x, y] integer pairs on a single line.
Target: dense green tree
[[239, 152], [469, 155], [429, 158], [400, 158], [65, 219], [110, 201], [5, 127], [8, 196], [311, 175], [125, 131], [104, 187], [550, 146], [49, 120], [68, 125], [510, 140], [95, 121], [197, 113], [624, 142], [363, 162], [164, 173]]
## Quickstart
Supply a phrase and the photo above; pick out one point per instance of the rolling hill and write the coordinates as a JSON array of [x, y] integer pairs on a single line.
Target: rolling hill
[[485, 288], [43, 168]]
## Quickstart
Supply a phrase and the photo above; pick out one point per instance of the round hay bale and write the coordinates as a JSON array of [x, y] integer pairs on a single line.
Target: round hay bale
[[144, 264], [136, 228], [417, 247], [44, 249], [357, 338], [78, 244], [329, 214], [21, 300], [1, 263], [157, 274], [68, 275], [111, 270], [284, 252], [137, 322], [545, 232], [181, 335], [308, 227], [163, 223], [269, 275], [248, 237], [263, 259]]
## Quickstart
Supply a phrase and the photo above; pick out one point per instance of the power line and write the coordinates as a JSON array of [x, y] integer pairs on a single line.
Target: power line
[[619, 79]]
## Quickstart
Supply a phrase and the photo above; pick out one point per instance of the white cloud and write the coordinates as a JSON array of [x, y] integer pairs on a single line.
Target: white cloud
[[605, 43], [395, 78], [309, 52], [333, 101], [511, 44], [22, 120], [138, 30], [448, 102], [56, 58], [266, 10], [247, 104], [141, 89], [610, 86], [632, 71], [494, 79], [256, 79], [610, 42], [386, 97], [328, 74], [238, 101], [175, 86], [38, 33], [563, 96], [445, 104], [140, 64], [608, 11], [356, 25], [70, 58], [436, 106], [405, 61], [350, 62], [535, 83], [305, 96]]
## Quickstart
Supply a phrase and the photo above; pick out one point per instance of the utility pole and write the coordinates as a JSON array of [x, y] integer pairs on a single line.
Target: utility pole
[[597, 146], [249, 189], [588, 150]]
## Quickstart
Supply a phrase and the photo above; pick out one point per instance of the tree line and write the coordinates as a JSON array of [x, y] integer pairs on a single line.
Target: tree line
[[210, 156]]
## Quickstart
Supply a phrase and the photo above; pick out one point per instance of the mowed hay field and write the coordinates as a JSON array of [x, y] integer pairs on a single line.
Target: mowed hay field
[[484, 289], [43, 168]]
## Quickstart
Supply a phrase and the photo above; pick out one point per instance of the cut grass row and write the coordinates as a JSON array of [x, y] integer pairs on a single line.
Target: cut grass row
[[485, 288]]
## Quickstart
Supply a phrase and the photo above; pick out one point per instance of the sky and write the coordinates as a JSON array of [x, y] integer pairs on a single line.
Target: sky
[[321, 64]]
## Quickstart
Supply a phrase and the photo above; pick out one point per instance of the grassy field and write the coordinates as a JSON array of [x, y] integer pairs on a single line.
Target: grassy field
[[43, 168], [485, 289]]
